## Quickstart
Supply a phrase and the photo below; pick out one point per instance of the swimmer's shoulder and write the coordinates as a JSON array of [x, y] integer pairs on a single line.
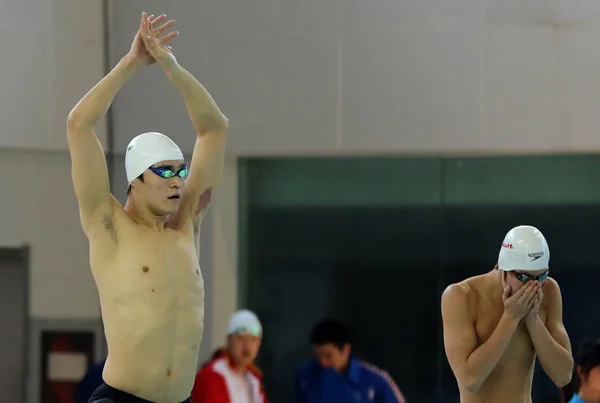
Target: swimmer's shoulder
[[461, 296], [551, 292], [465, 289], [551, 285]]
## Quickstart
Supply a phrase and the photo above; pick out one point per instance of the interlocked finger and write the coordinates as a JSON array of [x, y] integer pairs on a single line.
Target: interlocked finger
[[148, 35], [167, 38], [147, 27], [163, 27], [155, 44], [157, 19]]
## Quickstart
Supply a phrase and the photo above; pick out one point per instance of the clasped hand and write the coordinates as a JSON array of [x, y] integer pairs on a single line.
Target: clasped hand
[[149, 46], [525, 303]]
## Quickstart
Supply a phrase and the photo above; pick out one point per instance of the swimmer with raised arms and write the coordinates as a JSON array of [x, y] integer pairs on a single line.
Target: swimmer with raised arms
[[144, 256]]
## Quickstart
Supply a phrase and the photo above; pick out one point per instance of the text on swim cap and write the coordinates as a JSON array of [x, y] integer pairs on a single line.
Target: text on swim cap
[[535, 256], [507, 245]]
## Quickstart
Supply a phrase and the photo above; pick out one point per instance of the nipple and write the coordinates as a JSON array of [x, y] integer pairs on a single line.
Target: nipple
[[145, 269]]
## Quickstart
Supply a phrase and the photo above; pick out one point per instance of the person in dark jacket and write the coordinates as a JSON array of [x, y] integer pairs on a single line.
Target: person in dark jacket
[[336, 376]]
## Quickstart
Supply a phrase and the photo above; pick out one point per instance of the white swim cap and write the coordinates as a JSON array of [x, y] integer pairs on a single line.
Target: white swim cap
[[244, 322], [524, 248], [146, 150]]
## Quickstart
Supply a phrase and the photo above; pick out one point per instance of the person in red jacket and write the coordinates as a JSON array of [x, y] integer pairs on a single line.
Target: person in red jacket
[[230, 376]]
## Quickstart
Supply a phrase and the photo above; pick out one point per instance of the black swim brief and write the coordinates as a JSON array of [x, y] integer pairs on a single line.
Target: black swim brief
[[108, 394]]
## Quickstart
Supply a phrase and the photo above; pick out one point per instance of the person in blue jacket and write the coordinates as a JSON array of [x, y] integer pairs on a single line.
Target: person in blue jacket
[[588, 371], [336, 376]]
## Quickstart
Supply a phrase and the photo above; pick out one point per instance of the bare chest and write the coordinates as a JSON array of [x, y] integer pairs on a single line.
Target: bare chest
[[159, 271], [520, 352]]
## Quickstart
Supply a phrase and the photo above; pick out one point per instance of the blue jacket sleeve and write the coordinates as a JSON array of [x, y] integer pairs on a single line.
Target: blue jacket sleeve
[[389, 391], [299, 391]]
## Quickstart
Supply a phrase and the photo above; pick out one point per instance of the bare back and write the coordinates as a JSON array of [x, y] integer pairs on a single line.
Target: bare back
[[511, 379], [152, 298]]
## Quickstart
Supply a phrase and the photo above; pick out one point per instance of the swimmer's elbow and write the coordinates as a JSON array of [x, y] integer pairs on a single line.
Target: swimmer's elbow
[[472, 383], [562, 372], [563, 380], [73, 122], [472, 386]]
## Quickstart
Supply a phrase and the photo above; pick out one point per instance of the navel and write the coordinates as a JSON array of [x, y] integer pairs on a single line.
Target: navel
[[153, 290], [197, 272], [169, 372], [145, 269]]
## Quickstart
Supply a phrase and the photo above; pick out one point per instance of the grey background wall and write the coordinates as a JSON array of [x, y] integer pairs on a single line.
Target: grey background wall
[[53, 55], [342, 76]]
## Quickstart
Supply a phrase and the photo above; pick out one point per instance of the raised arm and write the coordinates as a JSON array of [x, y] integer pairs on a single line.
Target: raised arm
[[472, 364], [206, 165], [88, 163], [211, 129], [205, 173]]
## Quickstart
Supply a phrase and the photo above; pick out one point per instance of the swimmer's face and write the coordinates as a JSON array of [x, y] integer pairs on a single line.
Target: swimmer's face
[[517, 278], [243, 348], [331, 356], [163, 186]]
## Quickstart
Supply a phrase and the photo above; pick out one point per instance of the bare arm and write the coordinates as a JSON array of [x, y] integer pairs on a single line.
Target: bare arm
[[209, 151], [211, 129], [210, 124], [471, 364], [88, 163], [204, 113], [550, 339]]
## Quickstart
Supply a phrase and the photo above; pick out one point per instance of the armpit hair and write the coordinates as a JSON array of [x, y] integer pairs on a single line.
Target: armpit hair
[[110, 227]]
